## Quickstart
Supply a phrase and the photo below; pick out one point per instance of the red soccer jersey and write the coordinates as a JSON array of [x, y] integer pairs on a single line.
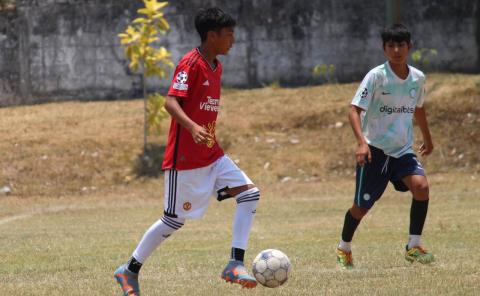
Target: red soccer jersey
[[198, 86]]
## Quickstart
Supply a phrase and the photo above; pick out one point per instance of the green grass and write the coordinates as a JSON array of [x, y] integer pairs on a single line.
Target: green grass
[[70, 246]]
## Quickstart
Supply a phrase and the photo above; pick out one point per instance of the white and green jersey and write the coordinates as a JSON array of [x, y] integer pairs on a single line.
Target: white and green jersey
[[389, 103]]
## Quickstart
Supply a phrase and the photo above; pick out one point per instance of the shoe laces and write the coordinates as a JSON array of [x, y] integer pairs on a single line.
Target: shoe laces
[[238, 270], [346, 255], [420, 249], [349, 257]]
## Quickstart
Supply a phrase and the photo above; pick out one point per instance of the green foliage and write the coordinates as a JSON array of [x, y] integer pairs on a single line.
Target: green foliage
[[326, 71], [156, 112], [139, 38], [275, 84], [423, 56]]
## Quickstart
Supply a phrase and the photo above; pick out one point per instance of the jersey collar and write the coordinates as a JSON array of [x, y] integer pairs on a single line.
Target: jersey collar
[[206, 61], [395, 75]]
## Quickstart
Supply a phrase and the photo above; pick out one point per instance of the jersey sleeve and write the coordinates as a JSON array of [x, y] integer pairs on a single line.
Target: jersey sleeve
[[183, 81], [421, 95], [363, 96]]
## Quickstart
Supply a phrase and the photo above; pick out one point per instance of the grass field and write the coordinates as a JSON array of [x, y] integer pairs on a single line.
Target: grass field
[[77, 209], [71, 245]]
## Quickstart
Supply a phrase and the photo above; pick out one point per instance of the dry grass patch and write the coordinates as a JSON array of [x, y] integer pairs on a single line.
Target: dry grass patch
[[275, 134]]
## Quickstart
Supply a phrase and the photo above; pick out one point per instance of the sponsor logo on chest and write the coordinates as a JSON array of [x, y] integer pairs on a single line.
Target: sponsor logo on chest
[[391, 110], [211, 105]]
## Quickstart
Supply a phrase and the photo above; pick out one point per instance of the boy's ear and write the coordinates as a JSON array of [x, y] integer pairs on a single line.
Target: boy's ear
[[211, 35]]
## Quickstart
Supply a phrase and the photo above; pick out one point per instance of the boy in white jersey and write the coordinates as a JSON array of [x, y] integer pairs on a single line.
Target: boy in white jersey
[[381, 117]]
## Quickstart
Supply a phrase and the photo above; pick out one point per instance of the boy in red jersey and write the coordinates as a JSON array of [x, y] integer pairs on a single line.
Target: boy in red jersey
[[195, 165]]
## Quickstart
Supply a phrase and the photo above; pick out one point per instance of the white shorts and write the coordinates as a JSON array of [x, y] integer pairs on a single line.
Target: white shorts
[[187, 192]]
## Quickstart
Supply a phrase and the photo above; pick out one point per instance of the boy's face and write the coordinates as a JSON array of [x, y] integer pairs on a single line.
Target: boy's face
[[397, 52], [223, 39]]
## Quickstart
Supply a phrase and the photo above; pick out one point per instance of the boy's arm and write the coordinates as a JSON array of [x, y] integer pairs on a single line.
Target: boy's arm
[[420, 116], [363, 151], [199, 134]]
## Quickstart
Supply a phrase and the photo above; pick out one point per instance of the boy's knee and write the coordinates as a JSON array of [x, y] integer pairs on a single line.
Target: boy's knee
[[420, 190], [228, 192], [173, 223], [250, 196]]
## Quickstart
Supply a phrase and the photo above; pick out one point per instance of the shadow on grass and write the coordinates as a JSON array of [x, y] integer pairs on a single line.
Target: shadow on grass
[[149, 163]]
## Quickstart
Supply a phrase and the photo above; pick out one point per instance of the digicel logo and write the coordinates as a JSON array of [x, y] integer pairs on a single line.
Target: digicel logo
[[390, 110]]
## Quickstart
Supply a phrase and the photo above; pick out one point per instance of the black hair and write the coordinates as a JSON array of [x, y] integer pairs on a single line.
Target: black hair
[[212, 19], [397, 33]]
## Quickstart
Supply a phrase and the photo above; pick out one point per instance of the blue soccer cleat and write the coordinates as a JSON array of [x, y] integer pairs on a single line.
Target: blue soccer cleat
[[235, 272], [128, 281]]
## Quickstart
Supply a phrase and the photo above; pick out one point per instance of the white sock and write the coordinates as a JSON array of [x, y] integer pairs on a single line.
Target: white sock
[[155, 235], [414, 241], [344, 246], [244, 214]]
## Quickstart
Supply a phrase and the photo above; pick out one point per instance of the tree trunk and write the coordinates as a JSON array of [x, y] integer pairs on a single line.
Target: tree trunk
[[145, 101]]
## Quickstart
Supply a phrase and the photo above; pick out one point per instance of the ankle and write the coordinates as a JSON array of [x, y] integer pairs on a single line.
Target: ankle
[[414, 241], [345, 246], [237, 254]]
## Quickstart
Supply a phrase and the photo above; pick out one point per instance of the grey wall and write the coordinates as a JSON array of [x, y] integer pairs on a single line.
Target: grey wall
[[68, 49], [9, 72]]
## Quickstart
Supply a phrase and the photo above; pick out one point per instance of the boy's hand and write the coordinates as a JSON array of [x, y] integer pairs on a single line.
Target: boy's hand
[[426, 148], [363, 154], [200, 135]]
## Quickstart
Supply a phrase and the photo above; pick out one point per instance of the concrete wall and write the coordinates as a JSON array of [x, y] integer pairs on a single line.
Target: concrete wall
[[68, 49], [9, 72]]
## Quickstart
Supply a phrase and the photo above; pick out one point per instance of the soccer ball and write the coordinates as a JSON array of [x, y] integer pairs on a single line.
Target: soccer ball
[[271, 268]]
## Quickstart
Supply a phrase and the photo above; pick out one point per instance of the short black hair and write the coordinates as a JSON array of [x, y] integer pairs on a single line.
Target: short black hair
[[397, 33], [212, 19]]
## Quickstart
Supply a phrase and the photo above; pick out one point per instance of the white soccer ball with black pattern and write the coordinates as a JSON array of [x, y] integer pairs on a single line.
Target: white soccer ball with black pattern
[[182, 77], [271, 268]]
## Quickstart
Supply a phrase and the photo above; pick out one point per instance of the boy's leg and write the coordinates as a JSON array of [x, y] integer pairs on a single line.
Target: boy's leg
[[410, 176], [127, 274], [246, 200], [232, 182], [352, 219], [418, 185], [186, 196], [371, 181], [350, 224], [154, 236]]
